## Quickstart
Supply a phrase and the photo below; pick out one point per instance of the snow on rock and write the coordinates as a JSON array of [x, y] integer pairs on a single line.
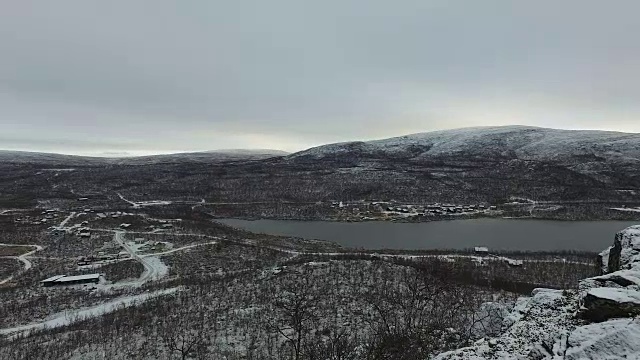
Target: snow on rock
[[538, 326], [605, 303], [620, 279], [603, 260], [614, 339], [625, 253], [599, 321], [616, 295]]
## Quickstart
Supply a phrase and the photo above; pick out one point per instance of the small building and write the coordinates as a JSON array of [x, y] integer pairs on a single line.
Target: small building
[[101, 215], [85, 234], [83, 199], [481, 250], [125, 225], [51, 281], [71, 280], [514, 263]]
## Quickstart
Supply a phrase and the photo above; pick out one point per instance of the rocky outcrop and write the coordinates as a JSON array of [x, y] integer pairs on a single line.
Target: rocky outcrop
[[625, 252], [615, 339], [538, 326], [604, 303], [600, 320]]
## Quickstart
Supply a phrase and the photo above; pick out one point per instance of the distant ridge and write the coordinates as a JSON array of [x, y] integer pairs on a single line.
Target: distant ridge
[[11, 156]]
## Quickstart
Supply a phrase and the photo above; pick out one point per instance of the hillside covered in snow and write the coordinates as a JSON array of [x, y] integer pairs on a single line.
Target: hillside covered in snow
[[505, 142], [523, 171]]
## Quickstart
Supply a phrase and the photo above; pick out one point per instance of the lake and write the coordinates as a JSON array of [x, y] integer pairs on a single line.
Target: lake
[[505, 234]]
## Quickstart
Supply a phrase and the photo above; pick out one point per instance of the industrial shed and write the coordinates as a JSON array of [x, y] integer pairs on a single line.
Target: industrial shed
[[71, 280]]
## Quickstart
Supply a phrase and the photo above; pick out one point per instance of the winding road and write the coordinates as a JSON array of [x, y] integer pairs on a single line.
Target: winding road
[[22, 258], [153, 267]]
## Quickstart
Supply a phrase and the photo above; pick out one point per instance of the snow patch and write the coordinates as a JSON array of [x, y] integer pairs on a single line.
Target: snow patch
[[614, 339], [616, 295], [70, 316]]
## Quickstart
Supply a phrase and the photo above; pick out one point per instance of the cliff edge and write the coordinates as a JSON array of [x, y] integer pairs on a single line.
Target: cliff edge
[[598, 320]]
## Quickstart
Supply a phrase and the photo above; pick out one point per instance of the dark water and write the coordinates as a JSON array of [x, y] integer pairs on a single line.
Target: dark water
[[504, 234]]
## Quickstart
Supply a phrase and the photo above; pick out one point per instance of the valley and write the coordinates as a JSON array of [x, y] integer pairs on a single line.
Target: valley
[[349, 251]]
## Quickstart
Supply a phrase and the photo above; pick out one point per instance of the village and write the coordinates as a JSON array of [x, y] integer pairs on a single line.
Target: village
[[90, 260], [394, 211]]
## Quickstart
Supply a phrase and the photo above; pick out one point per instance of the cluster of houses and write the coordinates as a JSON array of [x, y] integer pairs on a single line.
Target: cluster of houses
[[79, 230], [102, 256], [111, 214], [107, 253], [437, 209], [46, 216], [164, 225], [152, 246], [370, 209]]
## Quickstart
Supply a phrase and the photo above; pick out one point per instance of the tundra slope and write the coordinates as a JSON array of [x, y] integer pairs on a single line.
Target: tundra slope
[[599, 321], [564, 174], [595, 154], [521, 142], [491, 164]]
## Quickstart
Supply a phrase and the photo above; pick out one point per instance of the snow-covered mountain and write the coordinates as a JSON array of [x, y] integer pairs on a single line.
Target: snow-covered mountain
[[597, 321], [521, 142]]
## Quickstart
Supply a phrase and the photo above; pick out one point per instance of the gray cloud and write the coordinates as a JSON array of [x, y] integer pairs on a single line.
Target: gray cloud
[[158, 76]]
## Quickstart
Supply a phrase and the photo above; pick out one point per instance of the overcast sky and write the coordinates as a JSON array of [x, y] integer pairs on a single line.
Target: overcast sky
[[96, 77]]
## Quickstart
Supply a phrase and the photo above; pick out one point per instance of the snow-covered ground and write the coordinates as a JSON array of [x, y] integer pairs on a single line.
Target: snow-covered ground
[[627, 209], [140, 204], [70, 316], [154, 268], [187, 247]]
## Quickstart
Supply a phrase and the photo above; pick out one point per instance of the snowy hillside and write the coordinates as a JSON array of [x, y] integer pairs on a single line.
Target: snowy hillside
[[527, 143]]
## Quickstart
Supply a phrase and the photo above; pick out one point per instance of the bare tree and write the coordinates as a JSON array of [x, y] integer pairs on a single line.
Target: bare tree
[[185, 332], [295, 314]]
